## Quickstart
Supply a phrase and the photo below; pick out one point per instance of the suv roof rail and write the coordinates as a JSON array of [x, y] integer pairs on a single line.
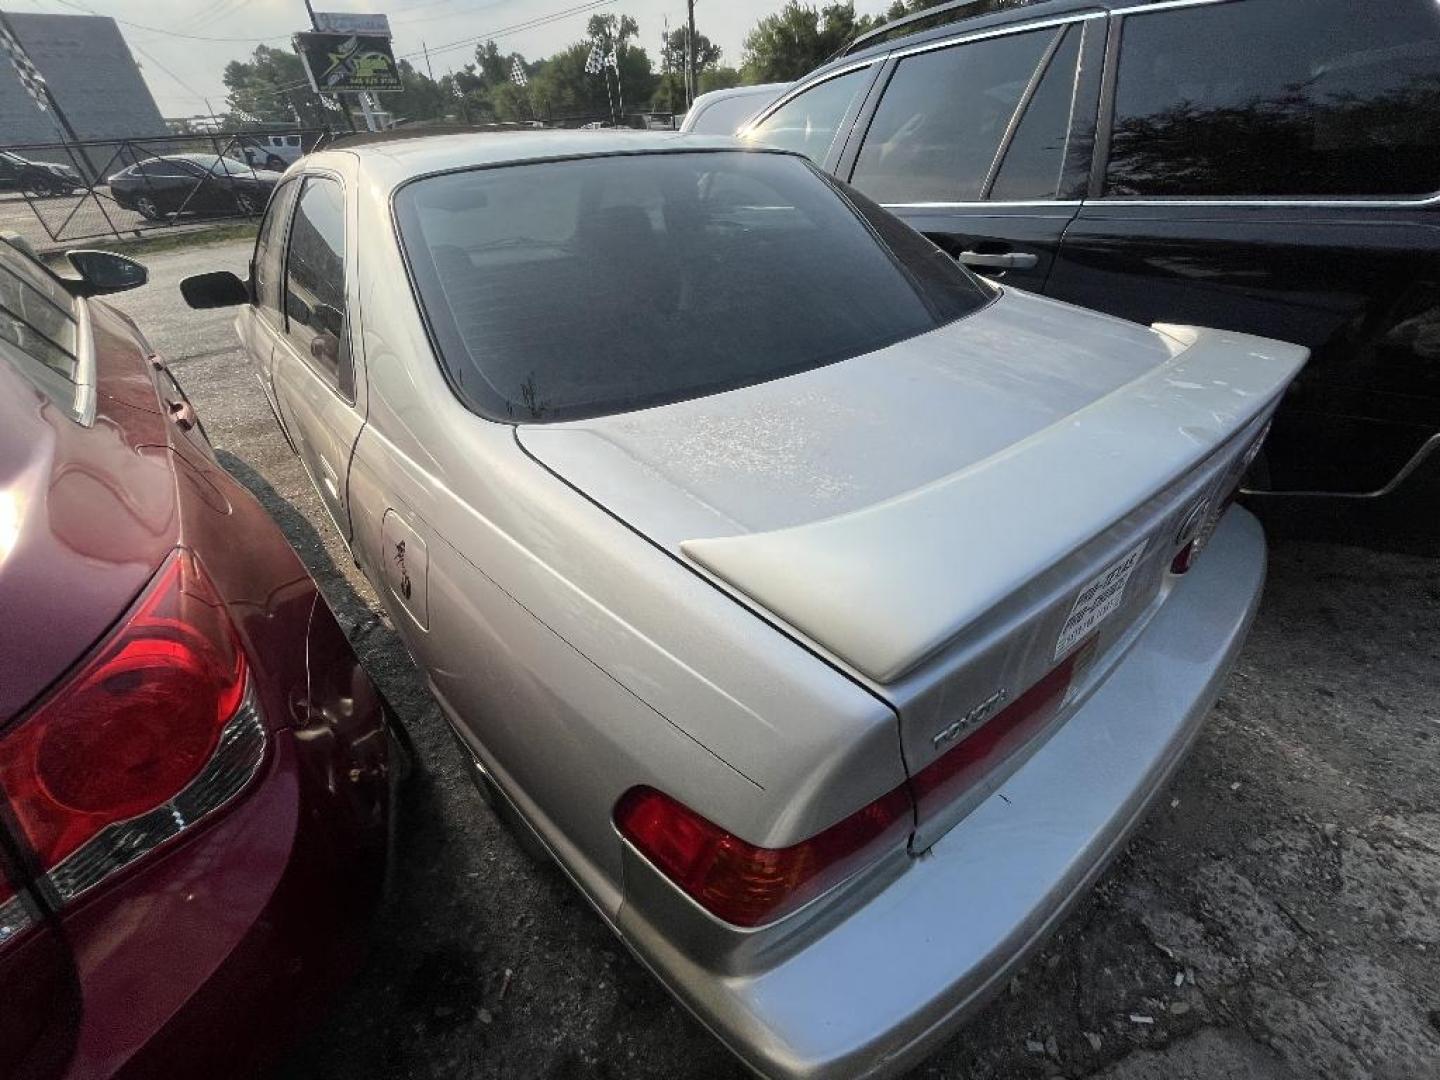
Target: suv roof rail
[[955, 9]]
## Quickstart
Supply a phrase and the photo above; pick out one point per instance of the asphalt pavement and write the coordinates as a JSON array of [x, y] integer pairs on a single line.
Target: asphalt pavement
[[1278, 916]]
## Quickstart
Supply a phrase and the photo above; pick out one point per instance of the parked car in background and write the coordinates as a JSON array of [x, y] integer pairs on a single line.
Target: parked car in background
[[273, 152], [724, 112], [37, 177], [204, 184], [788, 635], [194, 788], [1268, 166]]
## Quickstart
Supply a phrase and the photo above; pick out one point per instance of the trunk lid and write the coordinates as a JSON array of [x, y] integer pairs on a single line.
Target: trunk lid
[[930, 515], [87, 513]]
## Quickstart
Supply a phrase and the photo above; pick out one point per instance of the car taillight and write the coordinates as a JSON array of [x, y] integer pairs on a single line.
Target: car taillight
[[748, 885], [152, 732], [945, 779]]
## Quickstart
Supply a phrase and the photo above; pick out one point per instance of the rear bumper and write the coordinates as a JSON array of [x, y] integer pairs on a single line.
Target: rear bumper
[[212, 959], [882, 987]]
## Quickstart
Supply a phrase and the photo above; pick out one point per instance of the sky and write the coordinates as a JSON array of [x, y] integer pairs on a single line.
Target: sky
[[182, 70]]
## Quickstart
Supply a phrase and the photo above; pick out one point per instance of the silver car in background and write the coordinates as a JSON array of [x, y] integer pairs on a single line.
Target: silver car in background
[[830, 614], [724, 112]]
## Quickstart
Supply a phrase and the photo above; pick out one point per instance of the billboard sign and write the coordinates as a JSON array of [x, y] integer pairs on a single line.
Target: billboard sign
[[345, 22], [348, 63]]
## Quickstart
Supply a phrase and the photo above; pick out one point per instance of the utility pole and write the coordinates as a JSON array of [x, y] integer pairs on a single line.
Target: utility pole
[[429, 70], [691, 82]]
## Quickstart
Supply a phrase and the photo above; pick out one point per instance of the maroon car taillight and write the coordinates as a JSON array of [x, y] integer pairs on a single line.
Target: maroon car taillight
[[748, 885], [945, 779], [153, 732]]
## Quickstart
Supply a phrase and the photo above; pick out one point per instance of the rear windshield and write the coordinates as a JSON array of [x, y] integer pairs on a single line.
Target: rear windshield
[[567, 289]]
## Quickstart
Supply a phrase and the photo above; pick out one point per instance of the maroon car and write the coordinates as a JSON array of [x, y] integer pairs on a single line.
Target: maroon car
[[194, 769]]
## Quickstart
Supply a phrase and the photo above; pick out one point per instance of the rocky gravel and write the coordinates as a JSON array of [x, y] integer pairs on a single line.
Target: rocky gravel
[[1278, 916]]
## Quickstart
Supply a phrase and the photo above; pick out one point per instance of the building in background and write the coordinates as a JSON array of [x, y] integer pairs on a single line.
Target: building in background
[[92, 76]]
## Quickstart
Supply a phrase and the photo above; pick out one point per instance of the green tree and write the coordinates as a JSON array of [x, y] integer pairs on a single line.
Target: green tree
[[614, 35], [672, 54], [611, 30], [491, 66], [719, 78], [564, 88], [272, 87], [798, 38], [421, 99], [670, 87]]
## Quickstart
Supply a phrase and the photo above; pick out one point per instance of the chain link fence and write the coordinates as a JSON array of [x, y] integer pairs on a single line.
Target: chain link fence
[[57, 194]]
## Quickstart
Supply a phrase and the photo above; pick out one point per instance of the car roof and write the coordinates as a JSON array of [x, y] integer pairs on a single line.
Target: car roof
[[394, 162]]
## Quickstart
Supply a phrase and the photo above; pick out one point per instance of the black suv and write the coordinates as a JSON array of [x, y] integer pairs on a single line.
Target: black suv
[[1270, 166]]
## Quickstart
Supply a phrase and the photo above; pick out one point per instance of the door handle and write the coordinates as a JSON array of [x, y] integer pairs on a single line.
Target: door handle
[[1009, 260], [329, 477]]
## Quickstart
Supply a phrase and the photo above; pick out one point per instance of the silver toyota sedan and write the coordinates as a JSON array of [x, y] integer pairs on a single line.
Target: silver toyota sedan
[[829, 613]]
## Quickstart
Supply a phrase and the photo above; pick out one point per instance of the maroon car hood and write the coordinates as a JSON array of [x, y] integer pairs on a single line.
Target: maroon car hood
[[86, 513]]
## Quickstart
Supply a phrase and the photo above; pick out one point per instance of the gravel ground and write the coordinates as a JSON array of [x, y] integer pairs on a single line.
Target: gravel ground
[[1278, 915]]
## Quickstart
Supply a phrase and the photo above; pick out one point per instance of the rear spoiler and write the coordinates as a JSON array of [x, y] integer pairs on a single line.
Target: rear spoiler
[[886, 586]]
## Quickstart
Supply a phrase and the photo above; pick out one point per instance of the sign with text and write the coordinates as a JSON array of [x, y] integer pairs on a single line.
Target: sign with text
[[348, 63], [346, 22]]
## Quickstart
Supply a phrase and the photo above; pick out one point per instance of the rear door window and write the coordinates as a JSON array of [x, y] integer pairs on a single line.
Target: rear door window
[[1275, 98], [268, 261], [810, 121], [315, 281], [942, 119], [1035, 157]]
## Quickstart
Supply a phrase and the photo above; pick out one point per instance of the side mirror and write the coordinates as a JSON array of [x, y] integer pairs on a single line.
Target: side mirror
[[105, 272], [218, 289]]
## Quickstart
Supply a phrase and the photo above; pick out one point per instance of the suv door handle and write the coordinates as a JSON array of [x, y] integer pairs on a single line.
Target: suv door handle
[[1010, 260]]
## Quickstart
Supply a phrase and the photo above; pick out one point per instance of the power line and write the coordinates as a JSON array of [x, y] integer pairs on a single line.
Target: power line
[[531, 24], [443, 14], [168, 33], [204, 15], [148, 56]]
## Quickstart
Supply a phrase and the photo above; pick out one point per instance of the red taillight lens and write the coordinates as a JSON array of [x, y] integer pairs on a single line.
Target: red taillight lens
[[139, 720], [748, 885], [945, 779]]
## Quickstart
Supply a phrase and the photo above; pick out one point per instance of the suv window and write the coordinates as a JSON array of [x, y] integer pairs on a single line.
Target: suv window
[[315, 280], [265, 267], [939, 126], [1033, 162], [809, 122], [1253, 99], [37, 315], [561, 290]]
